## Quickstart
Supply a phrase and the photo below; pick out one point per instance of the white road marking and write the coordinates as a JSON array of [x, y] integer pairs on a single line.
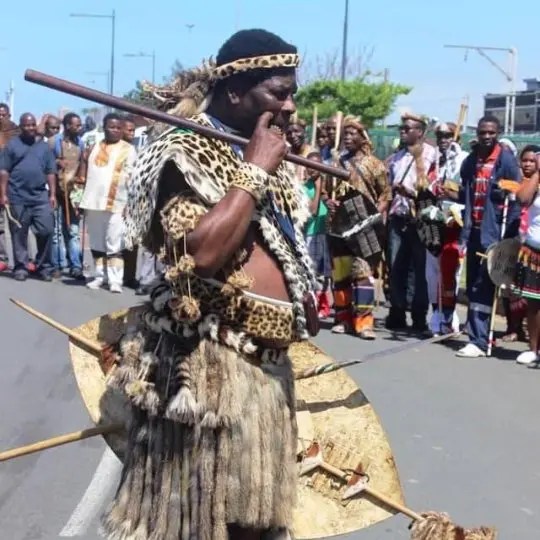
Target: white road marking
[[105, 478]]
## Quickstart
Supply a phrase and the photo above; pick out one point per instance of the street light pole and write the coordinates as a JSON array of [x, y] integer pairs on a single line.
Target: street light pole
[[510, 76], [113, 37], [113, 19], [344, 48]]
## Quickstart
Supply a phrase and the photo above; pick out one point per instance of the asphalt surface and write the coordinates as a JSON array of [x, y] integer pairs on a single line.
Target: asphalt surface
[[465, 433]]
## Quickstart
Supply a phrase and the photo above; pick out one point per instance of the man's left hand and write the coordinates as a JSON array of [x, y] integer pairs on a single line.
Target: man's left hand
[[52, 201]]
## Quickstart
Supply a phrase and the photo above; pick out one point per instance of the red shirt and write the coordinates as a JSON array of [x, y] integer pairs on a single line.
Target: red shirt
[[484, 169]]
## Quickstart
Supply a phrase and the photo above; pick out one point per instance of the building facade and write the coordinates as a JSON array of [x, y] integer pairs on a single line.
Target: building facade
[[527, 112]]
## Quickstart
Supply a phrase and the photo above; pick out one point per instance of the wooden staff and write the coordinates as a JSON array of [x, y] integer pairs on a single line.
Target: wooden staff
[[337, 141], [59, 441], [461, 118], [67, 217], [94, 346], [314, 127], [104, 352], [134, 108]]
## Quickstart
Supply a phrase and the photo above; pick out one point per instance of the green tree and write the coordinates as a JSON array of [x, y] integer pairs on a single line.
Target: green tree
[[135, 94], [371, 101]]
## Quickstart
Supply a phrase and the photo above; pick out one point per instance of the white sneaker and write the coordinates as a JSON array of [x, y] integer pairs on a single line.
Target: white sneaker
[[528, 358], [470, 351], [115, 288], [95, 284]]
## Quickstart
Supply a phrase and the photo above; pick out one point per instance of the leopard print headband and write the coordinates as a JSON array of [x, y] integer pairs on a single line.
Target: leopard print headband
[[191, 91], [257, 62]]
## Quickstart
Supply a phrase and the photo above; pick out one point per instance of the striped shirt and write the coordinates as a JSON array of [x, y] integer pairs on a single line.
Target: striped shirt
[[484, 169]]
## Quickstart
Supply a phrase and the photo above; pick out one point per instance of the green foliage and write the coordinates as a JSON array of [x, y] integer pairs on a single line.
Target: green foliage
[[135, 93], [359, 97]]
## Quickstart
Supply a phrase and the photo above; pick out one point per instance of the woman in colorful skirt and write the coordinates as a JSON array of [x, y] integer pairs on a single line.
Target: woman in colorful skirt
[[527, 279]]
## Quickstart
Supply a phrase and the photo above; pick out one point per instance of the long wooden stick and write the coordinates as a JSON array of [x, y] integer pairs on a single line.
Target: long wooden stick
[[314, 127], [59, 441], [461, 118], [491, 334], [94, 346], [134, 108], [339, 121]]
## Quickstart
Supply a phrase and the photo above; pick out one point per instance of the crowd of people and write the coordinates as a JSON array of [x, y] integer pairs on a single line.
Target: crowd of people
[[408, 222], [415, 221], [60, 180]]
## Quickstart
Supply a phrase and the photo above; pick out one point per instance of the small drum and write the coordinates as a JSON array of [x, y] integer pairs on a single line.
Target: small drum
[[430, 229], [502, 259], [349, 221]]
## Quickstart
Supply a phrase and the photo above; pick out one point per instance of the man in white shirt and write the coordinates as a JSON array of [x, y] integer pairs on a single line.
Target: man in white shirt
[[108, 170], [409, 168]]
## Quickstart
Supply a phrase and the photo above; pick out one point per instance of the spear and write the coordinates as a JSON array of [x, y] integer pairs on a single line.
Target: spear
[[104, 352], [322, 369]]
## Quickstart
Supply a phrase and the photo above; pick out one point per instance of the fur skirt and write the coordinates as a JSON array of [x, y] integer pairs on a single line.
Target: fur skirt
[[213, 445]]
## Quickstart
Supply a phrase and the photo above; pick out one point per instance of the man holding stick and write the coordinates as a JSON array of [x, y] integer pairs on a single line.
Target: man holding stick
[[68, 150], [28, 195], [213, 440], [8, 130], [355, 259], [409, 169], [484, 225]]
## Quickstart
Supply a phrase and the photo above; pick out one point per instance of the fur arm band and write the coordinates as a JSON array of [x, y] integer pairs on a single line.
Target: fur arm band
[[251, 179]]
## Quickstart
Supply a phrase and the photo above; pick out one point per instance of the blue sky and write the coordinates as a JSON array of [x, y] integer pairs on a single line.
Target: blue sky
[[406, 37]]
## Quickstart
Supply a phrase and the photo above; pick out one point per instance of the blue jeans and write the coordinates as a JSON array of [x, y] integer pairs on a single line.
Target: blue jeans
[[480, 293], [406, 252], [40, 218], [69, 236]]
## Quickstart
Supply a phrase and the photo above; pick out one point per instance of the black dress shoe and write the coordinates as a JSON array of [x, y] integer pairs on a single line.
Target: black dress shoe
[[20, 275], [142, 291], [77, 274]]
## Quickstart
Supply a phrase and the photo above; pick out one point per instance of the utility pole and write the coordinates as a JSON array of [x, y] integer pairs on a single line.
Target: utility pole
[[10, 98], [510, 75], [344, 49], [112, 17]]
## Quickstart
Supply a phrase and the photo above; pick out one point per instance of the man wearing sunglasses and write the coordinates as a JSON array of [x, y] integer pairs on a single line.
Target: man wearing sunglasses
[[409, 168], [443, 266], [484, 202]]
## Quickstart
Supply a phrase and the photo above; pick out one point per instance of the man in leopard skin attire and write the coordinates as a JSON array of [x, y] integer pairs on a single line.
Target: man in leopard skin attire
[[212, 443]]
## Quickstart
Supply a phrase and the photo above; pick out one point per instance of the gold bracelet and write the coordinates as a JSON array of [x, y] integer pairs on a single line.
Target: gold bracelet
[[251, 179]]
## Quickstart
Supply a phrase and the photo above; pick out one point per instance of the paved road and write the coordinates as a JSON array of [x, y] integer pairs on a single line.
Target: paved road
[[465, 433]]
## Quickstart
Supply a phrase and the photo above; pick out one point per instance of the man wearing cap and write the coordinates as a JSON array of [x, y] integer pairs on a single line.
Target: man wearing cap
[[443, 268], [409, 169]]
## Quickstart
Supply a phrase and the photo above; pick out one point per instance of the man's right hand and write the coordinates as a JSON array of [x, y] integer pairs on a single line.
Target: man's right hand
[[267, 147], [332, 206], [4, 201]]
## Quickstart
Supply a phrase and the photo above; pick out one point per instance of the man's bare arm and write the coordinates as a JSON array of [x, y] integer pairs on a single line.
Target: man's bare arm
[[221, 232], [4, 179]]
